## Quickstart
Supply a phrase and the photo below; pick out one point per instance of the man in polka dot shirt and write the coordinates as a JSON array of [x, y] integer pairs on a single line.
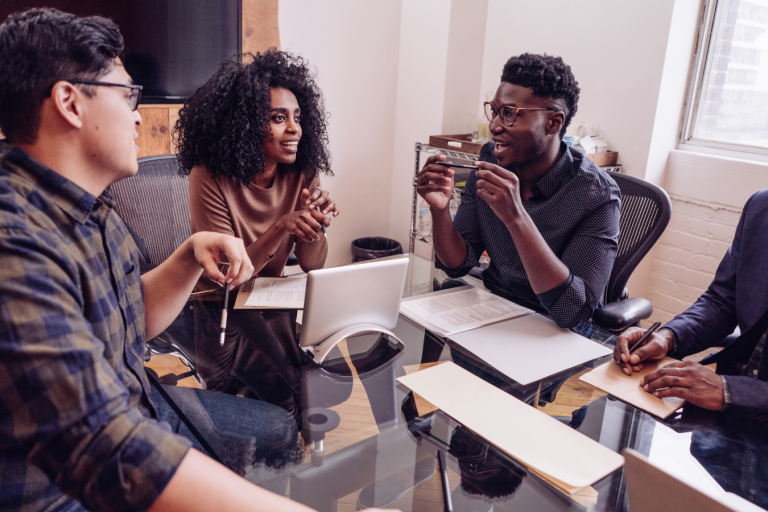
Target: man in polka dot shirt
[[547, 216]]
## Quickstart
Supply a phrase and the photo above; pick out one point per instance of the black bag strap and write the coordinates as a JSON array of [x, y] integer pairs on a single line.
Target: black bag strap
[[196, 433], [742, 347]]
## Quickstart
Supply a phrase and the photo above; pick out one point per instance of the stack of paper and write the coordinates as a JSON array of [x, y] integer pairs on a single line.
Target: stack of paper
[[456, 310], [530, 348], [563, 456], [273, 293]]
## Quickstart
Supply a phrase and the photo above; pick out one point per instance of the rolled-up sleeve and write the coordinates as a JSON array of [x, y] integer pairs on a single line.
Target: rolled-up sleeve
[[468, 226], [589, 256], [61, 401]]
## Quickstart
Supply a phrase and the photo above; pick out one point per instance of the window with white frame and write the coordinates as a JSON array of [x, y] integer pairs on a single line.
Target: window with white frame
[[728, 102]]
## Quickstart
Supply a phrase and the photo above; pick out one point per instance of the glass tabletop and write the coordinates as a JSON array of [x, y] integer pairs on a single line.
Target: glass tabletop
[[368, 441]]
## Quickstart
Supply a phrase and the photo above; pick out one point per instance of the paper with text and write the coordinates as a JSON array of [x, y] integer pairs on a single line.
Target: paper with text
[[456, 310], [276, 292]]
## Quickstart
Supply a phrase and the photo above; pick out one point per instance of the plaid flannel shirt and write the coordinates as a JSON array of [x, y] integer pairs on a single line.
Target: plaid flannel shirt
[[75, 413]]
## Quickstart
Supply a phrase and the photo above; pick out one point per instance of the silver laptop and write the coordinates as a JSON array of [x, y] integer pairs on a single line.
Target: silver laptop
[[349, 300], [651, 489]]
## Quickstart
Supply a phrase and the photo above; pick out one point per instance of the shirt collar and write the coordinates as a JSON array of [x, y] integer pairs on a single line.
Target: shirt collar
[[68, 196], [551, 181]]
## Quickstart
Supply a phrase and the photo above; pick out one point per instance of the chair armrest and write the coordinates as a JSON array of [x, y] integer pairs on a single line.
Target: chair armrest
[[619, 315]]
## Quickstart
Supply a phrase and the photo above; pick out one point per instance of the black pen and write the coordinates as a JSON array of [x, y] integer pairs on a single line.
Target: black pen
[[322, 225], [224, 315], [446, 164], [644, 337], [444, 478]]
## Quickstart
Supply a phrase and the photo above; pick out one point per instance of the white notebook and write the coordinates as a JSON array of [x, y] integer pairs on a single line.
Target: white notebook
[[530, 348]]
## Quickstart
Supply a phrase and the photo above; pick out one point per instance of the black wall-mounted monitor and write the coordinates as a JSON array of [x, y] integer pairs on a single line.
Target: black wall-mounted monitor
[[171, 46]]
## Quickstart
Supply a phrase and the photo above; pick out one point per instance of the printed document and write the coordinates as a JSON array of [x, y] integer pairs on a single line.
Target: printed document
[[456, 310], [274, 292]]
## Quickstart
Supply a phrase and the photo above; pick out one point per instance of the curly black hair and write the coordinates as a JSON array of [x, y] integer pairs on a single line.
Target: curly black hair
[[225, 122], [549, 77]]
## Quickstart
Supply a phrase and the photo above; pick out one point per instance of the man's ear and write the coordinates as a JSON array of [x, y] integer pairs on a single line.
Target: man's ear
[[555, 123], [67, 102]]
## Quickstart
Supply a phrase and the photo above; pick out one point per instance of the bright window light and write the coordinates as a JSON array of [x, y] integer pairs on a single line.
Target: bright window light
[[729, 96]]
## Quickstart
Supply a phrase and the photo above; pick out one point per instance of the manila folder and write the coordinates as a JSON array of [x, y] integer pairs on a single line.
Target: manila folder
[[526, 434], [611, 379]]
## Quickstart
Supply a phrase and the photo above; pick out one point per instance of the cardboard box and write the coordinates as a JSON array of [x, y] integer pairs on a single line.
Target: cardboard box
[[608, 158], [457, 142]]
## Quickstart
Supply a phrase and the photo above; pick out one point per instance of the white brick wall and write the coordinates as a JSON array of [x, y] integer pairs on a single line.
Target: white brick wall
[[687, 255]]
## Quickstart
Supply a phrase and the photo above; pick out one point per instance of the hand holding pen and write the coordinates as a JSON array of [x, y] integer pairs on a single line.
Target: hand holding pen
[[224, 315], [636, 345]]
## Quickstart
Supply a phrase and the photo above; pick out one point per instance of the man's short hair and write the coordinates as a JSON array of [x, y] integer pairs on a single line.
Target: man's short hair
[[38, 48], [549, 77]]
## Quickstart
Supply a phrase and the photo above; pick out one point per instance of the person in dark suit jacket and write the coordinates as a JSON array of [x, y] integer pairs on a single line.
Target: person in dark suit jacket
[[738, 296]]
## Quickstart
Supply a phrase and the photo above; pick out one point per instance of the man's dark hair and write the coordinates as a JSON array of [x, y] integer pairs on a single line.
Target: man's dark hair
[[549, 77], [224, 124], [38, 48]]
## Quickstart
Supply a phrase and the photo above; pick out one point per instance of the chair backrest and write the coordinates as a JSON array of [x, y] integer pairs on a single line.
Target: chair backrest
[[155, 204], [645, 213]]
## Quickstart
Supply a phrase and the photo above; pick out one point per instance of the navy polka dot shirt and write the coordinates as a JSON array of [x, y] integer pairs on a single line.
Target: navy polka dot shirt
[[575, 206]]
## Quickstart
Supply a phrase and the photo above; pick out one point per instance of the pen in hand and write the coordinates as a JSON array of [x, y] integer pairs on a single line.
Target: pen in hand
[[322, 225], [644, 337], [224, 315], [446, 164]]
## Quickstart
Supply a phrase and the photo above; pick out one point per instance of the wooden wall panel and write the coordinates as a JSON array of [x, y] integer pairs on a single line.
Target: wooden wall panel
[[173, 116], [260, 27], [154, 132]]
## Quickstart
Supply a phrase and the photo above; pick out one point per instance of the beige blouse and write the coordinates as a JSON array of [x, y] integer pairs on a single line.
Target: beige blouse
[[223, 206]]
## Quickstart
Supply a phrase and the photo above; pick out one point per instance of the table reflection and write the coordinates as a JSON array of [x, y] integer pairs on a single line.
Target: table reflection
[[361, 427]]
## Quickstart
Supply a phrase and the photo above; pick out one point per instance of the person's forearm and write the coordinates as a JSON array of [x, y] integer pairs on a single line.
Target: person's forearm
[[450, 247], [312, 255], [200, 483], [269, 242], [543, 268], [167, 288]]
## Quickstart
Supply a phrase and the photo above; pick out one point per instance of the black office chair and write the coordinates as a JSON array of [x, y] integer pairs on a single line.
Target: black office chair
[[154, 204], [645, 213]]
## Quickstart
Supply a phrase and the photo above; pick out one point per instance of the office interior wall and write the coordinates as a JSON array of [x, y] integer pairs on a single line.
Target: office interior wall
[[464, 66], [616, 51], [355, 48], [419, 110]]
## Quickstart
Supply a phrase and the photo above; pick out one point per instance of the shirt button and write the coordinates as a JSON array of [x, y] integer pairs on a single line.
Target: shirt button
[[753, 416], [754, 372]]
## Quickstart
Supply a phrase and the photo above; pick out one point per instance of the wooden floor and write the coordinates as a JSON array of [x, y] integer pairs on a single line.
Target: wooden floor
[[357, 423]]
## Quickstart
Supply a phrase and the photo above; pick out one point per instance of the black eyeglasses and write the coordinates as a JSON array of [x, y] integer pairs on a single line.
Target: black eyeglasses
[[135, 90], [508, 112]]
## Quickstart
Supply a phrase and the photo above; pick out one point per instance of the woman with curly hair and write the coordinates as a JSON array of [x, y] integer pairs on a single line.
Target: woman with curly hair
[[253, 140]]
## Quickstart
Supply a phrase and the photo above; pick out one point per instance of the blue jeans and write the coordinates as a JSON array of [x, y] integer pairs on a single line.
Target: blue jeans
[[241, 430], [255, 439]]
